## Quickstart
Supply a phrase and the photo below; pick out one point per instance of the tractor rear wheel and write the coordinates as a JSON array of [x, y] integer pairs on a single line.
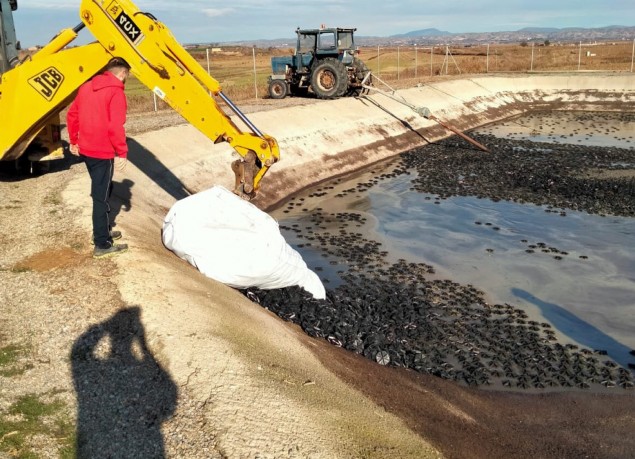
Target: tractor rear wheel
[[329, 79], [278, 89]]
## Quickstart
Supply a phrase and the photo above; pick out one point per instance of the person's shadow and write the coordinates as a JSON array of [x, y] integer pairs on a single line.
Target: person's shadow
[[121, 198], [123, 393]]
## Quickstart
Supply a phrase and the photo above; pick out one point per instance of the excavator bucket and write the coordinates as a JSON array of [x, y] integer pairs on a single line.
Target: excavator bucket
[[245, 170]]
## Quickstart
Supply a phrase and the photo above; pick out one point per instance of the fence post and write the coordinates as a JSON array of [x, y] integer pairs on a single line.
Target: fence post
[[531, 69], [487, 60], [447, 59], [416, 62], [579, 56], [207, 52], [255, 80]]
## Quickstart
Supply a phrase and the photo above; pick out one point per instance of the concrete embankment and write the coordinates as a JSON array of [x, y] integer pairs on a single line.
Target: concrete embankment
[[256, 379], [328, 138]]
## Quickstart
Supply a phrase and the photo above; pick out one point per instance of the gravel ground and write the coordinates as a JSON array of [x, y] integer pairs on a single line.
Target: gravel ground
[[46, 270]]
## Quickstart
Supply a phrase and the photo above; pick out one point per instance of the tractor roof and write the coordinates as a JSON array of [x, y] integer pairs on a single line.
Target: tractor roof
[[329, 29]]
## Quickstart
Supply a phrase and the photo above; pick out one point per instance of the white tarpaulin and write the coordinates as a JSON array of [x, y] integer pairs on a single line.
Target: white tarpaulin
[[234, 242]]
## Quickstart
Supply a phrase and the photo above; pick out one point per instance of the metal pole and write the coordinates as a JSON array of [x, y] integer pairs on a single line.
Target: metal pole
[[255, 81], [447, 59], [207, 52], [431, 52], [633, 55], [377, 59], [487, 60], [532, 58], [579, 56], [416, 63], [155, 101], [459, 133], [398, 64]]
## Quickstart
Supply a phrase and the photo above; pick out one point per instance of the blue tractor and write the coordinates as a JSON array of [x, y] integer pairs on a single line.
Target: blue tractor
[[324, 63]]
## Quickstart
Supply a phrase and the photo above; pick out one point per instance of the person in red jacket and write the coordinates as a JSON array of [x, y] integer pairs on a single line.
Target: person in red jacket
[[95, 123]]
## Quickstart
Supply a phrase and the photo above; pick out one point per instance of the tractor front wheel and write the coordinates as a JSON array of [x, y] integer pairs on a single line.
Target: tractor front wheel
[[278, 89], [329, 79]]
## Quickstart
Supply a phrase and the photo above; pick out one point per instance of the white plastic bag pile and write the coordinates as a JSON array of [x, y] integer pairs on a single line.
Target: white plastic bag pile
[[232, 241]]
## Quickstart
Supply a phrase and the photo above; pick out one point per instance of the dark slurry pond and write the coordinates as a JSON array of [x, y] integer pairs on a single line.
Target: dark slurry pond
[[510, 269]]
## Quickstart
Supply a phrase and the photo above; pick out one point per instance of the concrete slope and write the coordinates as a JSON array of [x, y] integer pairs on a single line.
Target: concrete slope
[[329, 138], [261, 388]]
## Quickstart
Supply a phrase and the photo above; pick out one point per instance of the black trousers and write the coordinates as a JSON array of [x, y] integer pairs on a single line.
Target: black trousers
[[101, 172]]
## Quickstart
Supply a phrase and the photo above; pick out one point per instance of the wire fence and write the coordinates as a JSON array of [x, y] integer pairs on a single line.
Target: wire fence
[[420, 61], [243, 72]]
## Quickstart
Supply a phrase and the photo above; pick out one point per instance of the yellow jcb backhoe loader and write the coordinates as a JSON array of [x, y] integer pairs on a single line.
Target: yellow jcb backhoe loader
[[33, 91]]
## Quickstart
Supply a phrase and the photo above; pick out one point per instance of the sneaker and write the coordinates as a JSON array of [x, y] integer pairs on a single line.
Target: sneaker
[[114, 235], [110, 251]]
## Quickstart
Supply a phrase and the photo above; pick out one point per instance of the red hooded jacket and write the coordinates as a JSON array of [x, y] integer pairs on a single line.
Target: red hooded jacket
[[96, 118]]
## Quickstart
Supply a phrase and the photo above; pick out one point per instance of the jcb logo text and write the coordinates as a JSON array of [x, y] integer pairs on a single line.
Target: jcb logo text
[[47, 82]]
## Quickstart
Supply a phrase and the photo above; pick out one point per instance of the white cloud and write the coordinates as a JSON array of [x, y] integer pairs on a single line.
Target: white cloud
[[216, 12], [39, 5]]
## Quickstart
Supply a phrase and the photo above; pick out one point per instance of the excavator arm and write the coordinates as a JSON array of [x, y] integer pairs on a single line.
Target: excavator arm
[[38, 88]]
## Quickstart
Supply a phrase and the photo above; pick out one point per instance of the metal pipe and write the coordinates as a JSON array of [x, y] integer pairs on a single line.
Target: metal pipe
[[79, 27], [459, 133], [422, 111], [240, 114]]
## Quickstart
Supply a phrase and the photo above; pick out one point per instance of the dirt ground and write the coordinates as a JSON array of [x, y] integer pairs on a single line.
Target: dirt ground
[[141, 356]]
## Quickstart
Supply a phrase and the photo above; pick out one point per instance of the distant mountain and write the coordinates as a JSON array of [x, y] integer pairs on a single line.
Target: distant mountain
[[539, 30], [422, 33]]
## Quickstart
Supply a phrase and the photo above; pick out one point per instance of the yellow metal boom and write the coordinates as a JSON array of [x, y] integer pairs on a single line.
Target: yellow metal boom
[[41, 86]]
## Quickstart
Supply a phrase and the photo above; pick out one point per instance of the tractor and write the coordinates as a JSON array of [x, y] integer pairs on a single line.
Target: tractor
[[324, 62]]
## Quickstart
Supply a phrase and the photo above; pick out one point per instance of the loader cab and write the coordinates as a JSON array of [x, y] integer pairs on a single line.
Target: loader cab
[[9, 46], [13, 4]]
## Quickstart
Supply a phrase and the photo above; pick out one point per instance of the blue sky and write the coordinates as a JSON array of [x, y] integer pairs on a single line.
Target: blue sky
[[37, 21]]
